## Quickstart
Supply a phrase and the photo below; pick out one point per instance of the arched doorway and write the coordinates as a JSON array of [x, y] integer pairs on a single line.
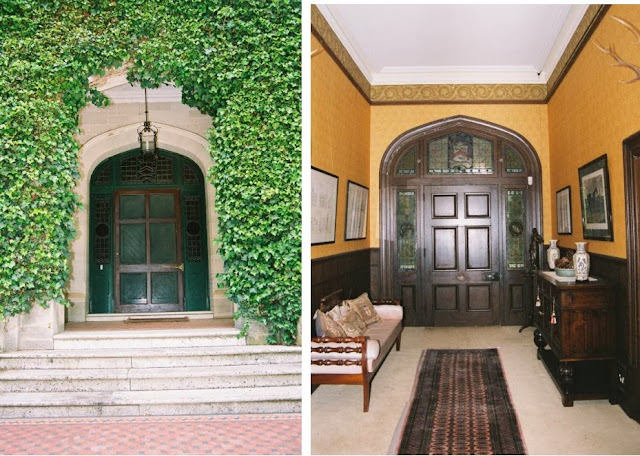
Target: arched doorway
[[459, 198], [147, 235]]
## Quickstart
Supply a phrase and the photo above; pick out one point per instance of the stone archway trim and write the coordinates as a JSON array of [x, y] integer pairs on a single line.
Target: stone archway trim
[[112, 143]]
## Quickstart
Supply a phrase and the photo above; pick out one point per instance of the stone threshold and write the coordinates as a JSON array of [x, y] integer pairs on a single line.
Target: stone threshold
[[200, 315]]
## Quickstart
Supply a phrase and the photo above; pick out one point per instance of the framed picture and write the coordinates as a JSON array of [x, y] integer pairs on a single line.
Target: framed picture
[[595, 199], [563, 210], [357, 208], [324, 199]]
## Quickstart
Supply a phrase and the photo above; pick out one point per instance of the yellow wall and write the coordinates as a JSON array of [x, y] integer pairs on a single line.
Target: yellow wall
[[590, 114], [389, 122], [340, 125]]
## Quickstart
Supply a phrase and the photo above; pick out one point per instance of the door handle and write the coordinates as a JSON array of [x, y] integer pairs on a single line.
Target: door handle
[[492, 276], [181, 267]]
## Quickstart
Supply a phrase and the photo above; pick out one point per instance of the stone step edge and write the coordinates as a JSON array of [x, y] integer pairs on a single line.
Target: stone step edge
[[146, 334], [149, 372], [101, 398], [155, 352]]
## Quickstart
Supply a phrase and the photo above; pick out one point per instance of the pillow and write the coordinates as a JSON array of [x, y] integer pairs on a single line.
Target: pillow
[[326, 327], [352, 324], [364, 308], [335, 313], [340, 311], [389, 311]]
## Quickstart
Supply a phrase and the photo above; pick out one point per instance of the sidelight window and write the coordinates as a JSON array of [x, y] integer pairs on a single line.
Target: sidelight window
[[406, 229]]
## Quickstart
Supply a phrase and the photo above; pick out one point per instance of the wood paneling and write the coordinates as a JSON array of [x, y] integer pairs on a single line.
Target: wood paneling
[[349, 271]]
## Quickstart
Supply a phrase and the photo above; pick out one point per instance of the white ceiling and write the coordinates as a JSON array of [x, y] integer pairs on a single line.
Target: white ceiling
[[453, 43]]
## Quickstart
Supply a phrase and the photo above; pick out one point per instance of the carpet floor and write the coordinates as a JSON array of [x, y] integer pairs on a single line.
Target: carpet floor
[[461, 405]]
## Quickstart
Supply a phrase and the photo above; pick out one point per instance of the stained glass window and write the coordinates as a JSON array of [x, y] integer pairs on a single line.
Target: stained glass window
[[407, 164], [516, 248], [512, 161], [406, 229], [460, 153]]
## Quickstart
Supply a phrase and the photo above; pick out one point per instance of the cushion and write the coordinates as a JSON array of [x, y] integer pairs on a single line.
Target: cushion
[[326, 327], [338, 311], [352, 324], [362, 305], [389, 311]]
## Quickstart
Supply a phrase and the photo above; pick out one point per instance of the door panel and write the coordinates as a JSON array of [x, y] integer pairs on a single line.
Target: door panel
[[445, 249], [148, 262], [464, 246], [478, 248]]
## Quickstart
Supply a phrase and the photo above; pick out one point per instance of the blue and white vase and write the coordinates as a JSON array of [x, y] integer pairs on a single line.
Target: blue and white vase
[[553, 253], [581, 262]]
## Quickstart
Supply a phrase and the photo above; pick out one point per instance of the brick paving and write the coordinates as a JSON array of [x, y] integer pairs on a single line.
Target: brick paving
[[216, 434]]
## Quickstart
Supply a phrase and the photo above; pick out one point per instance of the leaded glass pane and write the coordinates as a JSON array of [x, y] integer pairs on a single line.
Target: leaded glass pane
[[163, 242], [407, 164], [133, 243], [103, 175], [516, 248], [102, 232], [512, 161], [194, 228], [460, 153], [131, 207], [189, 175], [161, 205], [406, 229]]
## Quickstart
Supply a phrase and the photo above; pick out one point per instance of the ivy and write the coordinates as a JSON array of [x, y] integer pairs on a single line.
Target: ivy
[[237, 61]]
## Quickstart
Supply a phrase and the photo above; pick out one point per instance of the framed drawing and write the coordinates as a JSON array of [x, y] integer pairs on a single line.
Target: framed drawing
[[357, 207], [563, 210], [595, 200], [324, 199]]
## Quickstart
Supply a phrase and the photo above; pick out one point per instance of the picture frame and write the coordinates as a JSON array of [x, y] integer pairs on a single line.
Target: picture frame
[[324, 206], [595, 200], [563, 210], [357, 211]]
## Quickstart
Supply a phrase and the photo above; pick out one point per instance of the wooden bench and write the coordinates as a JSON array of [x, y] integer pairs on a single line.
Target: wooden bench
[[355, 360]]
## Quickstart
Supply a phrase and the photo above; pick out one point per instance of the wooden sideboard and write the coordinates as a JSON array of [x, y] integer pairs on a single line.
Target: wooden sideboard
[[577, 321]]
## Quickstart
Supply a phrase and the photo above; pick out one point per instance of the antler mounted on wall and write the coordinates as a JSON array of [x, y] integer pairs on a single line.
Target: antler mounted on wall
[[612, 52]]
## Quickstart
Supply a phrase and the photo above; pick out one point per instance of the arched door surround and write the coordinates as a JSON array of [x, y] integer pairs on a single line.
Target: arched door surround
[[458, 200], [114, 142]]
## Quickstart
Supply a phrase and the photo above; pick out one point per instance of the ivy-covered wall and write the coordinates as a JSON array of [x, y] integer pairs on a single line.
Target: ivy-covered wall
[[238, 62]]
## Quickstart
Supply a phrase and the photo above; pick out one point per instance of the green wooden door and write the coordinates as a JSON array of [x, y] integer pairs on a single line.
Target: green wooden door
[[160, 224], [148, 256]]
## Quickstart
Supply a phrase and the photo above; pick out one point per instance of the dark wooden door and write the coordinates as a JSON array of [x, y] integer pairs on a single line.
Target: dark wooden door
[[459, 198], [148, 257], [462, 255]]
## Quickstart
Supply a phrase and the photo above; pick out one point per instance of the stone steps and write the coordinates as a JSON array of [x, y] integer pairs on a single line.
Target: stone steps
[[151, 379], [150, 372], [150, 357], [281, 399], [211, 337]]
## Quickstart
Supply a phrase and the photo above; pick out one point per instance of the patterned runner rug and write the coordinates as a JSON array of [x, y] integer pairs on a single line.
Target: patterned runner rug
[[461, 405]]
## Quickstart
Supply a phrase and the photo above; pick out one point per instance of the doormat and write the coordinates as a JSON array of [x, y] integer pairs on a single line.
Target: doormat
[[460, 405], [155, 319]]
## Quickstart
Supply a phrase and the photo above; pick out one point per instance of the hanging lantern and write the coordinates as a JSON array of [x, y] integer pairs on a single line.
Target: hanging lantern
[[147, 134]]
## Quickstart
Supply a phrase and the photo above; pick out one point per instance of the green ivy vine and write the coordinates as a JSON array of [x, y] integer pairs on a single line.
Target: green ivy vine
[[237, 61]]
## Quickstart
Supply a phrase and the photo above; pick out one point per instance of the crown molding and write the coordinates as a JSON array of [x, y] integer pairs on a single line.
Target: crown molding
[[377, 92]]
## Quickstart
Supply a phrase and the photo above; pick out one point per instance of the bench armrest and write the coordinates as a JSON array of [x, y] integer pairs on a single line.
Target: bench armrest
[[340, 351], [391, 301]]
